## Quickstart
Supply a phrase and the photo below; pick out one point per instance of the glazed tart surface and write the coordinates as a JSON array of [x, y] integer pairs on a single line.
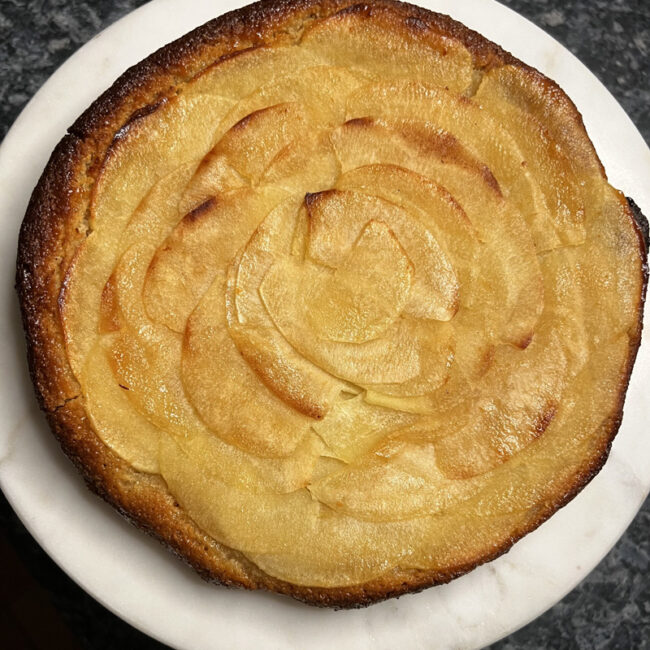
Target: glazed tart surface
[[335, 299]]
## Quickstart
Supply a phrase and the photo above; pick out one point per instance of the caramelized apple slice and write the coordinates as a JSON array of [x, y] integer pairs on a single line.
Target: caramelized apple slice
[[353, 427], [154, 218], [398, 480], [306, 165], [290, 376], [420, 197], [421, 149], [510, 292], [214, 175], [367, 292], [436, 350], [288, 291], [141, 353], [146, 150], [522, 392], [218, 380], [335, 220], [258, 139], [388, 49], [235, 78], [609, 269], [279, 145], [554, 457], [548, 163], [478, 132], [202, 245], [512, 87], [252, 474], [270, 241], [238, 75], [113, 418], [140, 153], [321, 90], [297, 382], [267, 527], [146, 359]]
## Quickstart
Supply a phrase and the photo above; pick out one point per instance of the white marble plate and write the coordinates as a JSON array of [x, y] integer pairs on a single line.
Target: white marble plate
[[134, 577]]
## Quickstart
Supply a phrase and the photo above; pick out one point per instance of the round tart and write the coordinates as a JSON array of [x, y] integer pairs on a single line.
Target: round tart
[[334, 299]]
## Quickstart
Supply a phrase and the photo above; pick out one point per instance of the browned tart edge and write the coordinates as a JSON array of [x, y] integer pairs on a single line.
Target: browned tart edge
[[56, 223]]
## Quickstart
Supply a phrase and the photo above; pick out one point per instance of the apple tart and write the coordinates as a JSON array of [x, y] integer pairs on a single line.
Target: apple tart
[[334, 299]]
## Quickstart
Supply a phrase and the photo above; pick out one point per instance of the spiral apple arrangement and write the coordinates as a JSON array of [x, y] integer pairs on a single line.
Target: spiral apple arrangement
[[361, 303]]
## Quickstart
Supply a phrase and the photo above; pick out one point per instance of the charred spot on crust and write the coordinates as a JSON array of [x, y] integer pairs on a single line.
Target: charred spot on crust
[[641, 221], [359, 9], [416, 24]]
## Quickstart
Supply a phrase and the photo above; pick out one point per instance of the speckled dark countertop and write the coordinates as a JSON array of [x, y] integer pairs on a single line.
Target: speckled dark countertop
[[610, 609]]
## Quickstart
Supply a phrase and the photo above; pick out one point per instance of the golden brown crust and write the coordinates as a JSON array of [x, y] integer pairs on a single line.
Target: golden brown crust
[[56, 224]]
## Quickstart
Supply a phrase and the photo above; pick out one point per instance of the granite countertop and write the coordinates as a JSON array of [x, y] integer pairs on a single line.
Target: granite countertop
[[609, 609]]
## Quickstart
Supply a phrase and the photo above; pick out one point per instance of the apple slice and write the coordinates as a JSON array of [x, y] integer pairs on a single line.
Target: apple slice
[[367, 292], [202, 245], [308, 164], [522, 392], [336, 219], [354, 426], [322, 90], [504, 264], [399, 480], [150, 147], [609, 269], [278, 145], [288, 292], [480, 133], [241, 73], [419, 148], [270, 241], [431, 203], [145, 360], [269, 527], [218, 381], [506, 88], [550, 165], [125, 431], [290, 376], [436, 350], [254, 475], [388, 49], [251, 145], [145, 367], [214, 175]]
